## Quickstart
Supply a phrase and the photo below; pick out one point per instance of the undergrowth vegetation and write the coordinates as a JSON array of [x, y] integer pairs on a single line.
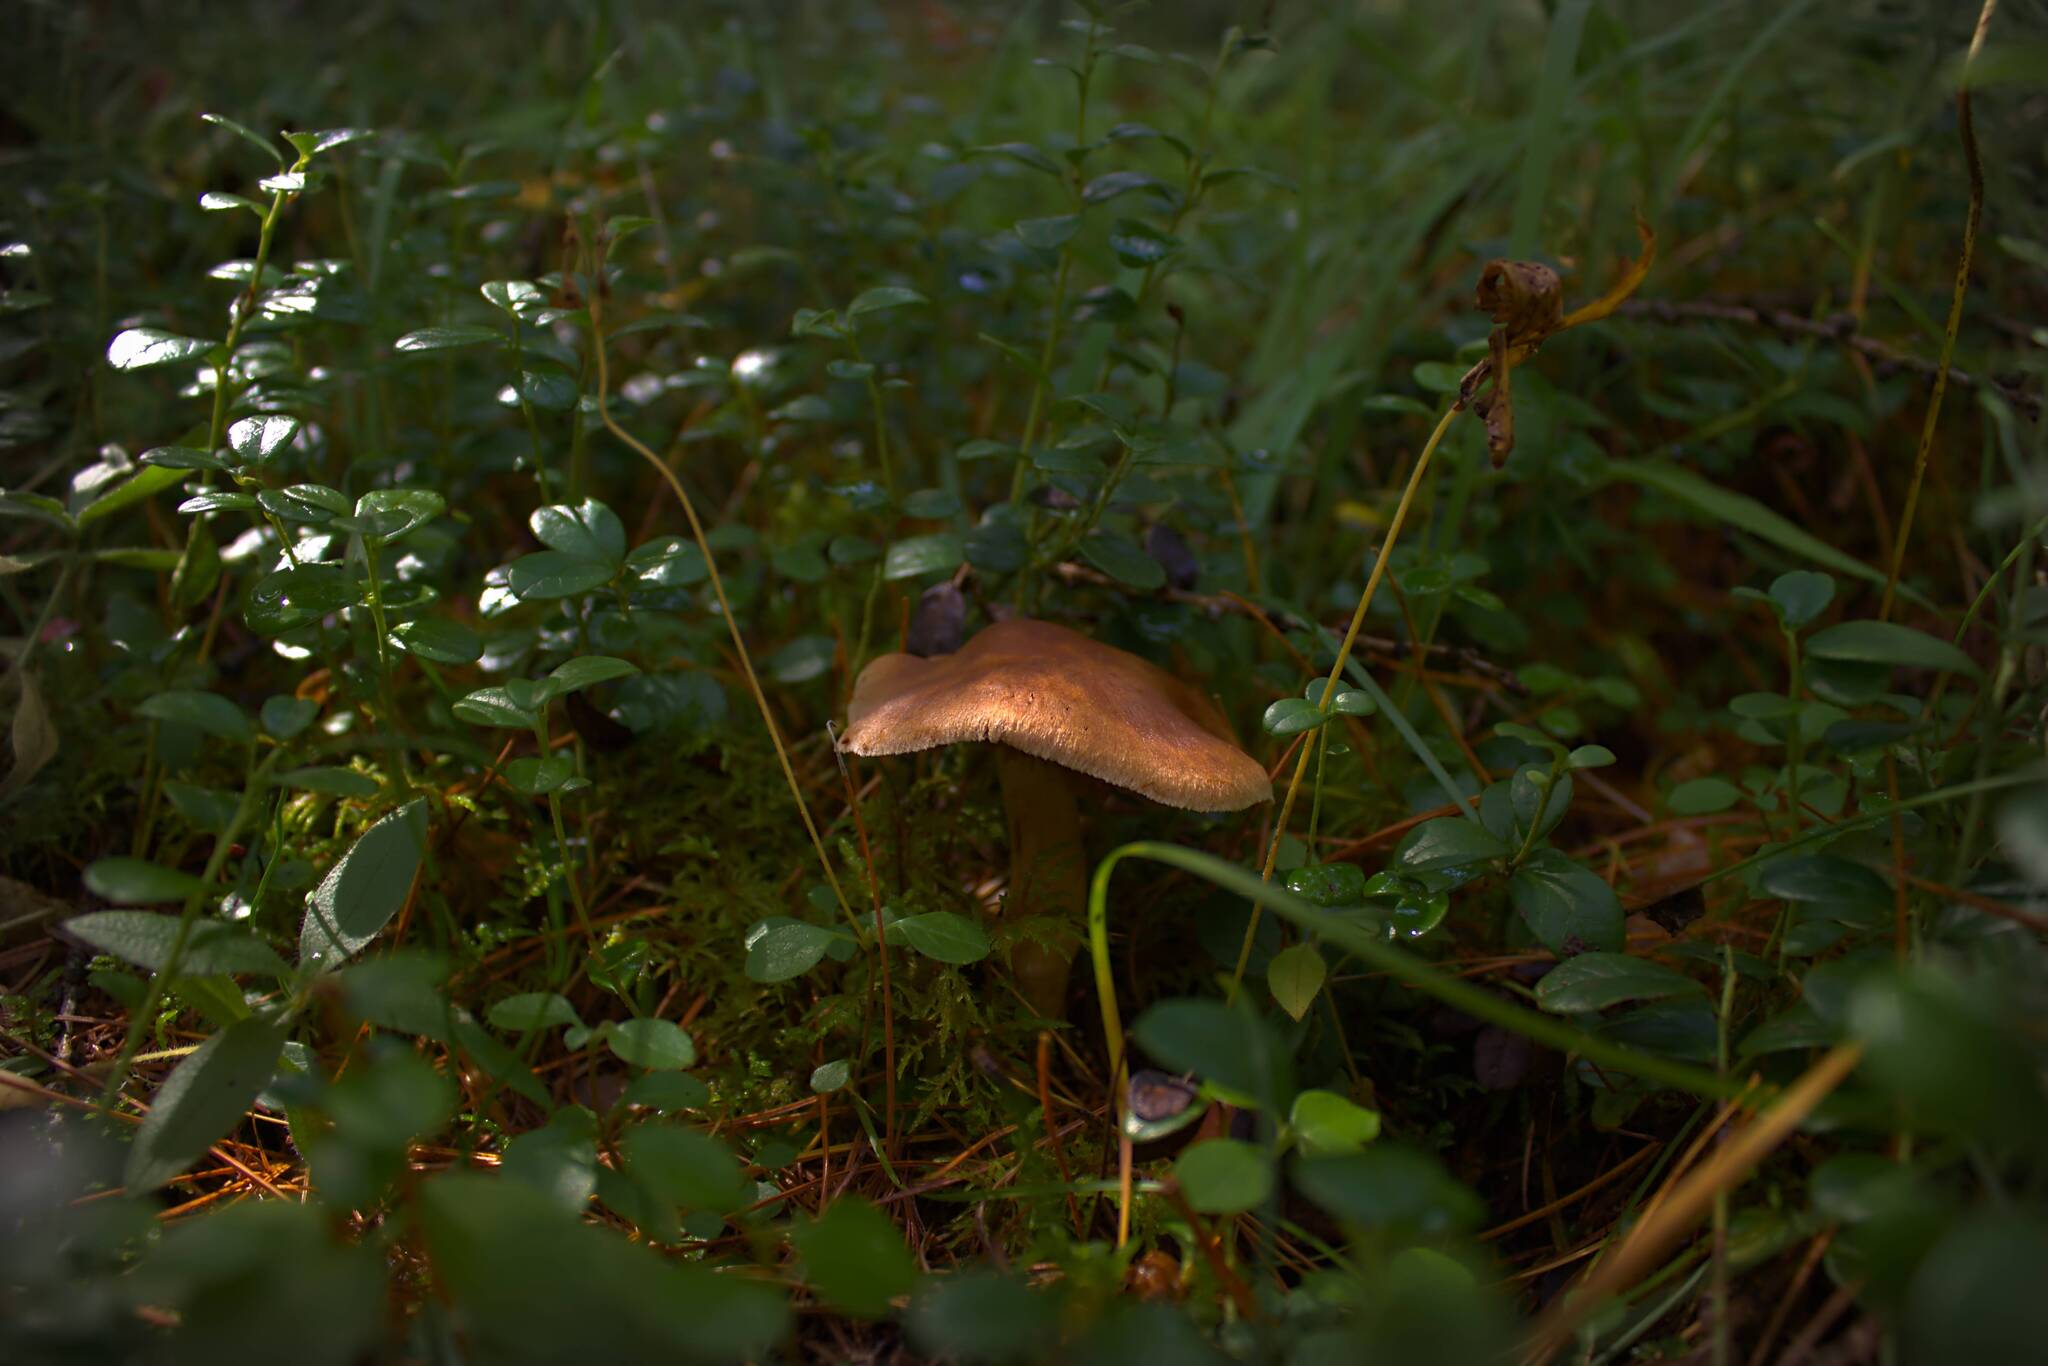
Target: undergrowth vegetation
[[453, 472]]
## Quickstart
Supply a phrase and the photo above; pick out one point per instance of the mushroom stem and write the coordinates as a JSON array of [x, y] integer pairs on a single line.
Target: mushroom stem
[[1048, 874]]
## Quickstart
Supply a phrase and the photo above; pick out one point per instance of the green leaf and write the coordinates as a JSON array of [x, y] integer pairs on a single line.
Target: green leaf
[[814, 322], [141, 348], [206, 711], [1801, 596], [204, 808], [311, 144], [1296, 975], [1702, 797], [499, 707], [364, 889], [285, 717], [588, 531], [137, 882], [1595, 981], [513, 296], [997, 546], [559, 1159], [657, 1045], [533, 776], [298, 597], [144, 938], [1326, 1122], [218, 500], [1590, 756], [1789, 1030], [1292, 716], [395, 512], [549, 574], [1023, 153], [183, 458], [1565, 904], [306, 502], [1104, 188], [1329, 884], [402, 991], [931, 504], [979, 1316], [831, 1076], [854, 1259], [246, 134], [1449, 842], [219, 201], [1395, 1189], [1223, 1176], [668, 562], [531, 1010], [204, 1097], [1938, 1046], [438, 639], [803, 659], [1976, 1295], [941, 935], [1123, 560], [1227, 1045], [685, 1166], [883, 297], [586, 671], [448, 339], [1049, 234], [1140, 245], [1885, 642], [779, 948], [667, 1092], [1824, 879], [577, 1292], [939, 553], [335, 782], [1354, 702], [257, 439]]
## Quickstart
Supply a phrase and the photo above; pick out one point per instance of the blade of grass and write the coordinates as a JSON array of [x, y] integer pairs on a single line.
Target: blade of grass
[[1560, 57]]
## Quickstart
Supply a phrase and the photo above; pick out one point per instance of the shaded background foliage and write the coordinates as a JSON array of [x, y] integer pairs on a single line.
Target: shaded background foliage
[[486, 859]]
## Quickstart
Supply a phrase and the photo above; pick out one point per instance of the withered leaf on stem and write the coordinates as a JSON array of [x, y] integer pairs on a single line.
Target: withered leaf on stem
[[1526, 303], [1523, 298]]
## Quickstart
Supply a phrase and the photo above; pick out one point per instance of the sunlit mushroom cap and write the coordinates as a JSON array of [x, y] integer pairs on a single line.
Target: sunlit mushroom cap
[[1062, 697]]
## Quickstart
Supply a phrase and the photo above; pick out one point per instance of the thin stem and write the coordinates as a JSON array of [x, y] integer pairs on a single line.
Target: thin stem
[[1038, 381], [374, 599], [138, 1023], [717, 581], [1379, 956], [1795, 738], [1372, 585], [1966, 129]]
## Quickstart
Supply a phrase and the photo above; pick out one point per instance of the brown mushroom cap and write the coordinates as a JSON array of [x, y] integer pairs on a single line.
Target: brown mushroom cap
[[1062, 697]]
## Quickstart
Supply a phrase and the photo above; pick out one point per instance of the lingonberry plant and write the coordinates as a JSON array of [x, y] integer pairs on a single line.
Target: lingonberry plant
[[455, 479]]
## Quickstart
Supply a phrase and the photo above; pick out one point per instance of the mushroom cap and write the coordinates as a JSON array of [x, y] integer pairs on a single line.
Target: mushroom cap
[[1056, 694]]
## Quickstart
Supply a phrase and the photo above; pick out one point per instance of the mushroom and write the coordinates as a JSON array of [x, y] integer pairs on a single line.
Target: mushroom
[[1050, 699]]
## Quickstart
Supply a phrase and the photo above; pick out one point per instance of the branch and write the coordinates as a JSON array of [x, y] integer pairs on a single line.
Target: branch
[[1840, 328], [1230, 604]]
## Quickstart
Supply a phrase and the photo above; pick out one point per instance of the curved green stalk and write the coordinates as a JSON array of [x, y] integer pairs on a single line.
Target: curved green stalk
[[1379, 955]]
